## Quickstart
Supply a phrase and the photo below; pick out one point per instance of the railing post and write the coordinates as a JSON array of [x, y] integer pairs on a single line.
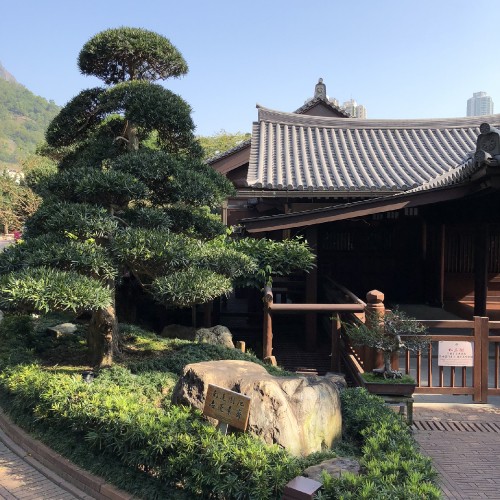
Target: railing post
[[485, 349], [267, 339], [481, 332], [375, 311], [336, 326]]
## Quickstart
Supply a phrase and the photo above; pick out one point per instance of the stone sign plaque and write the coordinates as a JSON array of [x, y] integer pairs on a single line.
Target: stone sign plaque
[[227, 406], [452, 353]]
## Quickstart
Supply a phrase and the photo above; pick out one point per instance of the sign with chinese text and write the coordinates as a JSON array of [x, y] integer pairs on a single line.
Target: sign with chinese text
[[451, 353], [227, 406]]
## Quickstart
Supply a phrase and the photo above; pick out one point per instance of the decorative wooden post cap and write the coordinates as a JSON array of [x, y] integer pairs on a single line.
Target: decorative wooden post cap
[[374, 297]]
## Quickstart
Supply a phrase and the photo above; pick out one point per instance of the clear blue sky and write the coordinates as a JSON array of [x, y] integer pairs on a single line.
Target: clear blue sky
[[399, 58]]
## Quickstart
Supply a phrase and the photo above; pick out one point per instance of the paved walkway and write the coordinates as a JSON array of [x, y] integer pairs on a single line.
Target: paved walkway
[[464, 442], [22, 477]]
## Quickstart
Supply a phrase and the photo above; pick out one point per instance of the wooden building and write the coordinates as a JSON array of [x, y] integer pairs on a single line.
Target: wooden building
[[410, 207]]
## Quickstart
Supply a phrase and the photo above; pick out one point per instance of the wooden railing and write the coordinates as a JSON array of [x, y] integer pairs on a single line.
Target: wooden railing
[[480, 381], [270, 308]]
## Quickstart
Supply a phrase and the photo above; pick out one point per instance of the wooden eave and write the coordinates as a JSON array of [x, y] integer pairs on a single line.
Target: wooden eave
[[232, 161], [364, 208]]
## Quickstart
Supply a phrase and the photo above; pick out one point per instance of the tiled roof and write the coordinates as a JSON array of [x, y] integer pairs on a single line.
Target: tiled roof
[[300, 152]]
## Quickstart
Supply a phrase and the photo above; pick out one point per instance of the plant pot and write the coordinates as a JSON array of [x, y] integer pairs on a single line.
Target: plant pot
[[392, 389]]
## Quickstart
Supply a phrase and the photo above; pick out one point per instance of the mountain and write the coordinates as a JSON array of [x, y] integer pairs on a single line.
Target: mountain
[[5, 75], [24, 117]]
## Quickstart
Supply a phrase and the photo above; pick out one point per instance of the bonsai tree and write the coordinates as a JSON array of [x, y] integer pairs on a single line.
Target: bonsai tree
[[390, 334], [131, 196]]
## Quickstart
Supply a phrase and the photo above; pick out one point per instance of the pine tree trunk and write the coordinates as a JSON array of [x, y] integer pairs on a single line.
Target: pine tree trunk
[[102, 338], [387, 362]]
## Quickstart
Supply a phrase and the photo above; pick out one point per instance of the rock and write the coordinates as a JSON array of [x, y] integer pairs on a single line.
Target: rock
[[301, 414], [217, 335], [335, 467], [179, 332], [62, 330]]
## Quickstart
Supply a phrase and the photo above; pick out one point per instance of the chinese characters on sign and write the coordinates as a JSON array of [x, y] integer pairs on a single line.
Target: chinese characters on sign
[[227, 406], [452, 353]]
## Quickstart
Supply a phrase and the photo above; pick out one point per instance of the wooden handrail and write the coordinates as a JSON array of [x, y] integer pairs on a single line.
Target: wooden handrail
[[348, 292], [316, 307]]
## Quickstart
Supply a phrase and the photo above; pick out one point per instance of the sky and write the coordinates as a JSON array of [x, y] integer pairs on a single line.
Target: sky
[[399, 58]]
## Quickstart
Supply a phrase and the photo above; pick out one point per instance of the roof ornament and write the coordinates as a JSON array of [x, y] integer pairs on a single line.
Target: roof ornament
[[320, 89], [488, 146]]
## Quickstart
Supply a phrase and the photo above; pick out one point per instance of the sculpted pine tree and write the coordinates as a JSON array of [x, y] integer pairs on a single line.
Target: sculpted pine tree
[[131, 195]]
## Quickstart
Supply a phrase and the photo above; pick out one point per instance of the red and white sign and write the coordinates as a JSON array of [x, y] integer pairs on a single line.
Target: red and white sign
[[453, 353]]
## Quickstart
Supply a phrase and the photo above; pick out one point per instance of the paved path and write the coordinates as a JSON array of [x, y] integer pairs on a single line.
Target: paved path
[[19, 479], [464, 442]]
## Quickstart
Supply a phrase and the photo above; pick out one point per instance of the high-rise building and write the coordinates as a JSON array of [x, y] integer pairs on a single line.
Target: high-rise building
[[479, 104], [354, 109]]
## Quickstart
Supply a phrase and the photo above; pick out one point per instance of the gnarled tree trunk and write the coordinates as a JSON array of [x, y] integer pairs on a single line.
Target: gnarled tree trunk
[[102, 338]]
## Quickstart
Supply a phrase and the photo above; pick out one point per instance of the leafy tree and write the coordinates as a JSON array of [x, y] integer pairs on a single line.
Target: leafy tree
[[220, 142], [132, 195]]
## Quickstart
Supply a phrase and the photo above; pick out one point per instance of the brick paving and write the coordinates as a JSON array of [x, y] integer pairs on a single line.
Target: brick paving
[[464, 442], [19, 479]]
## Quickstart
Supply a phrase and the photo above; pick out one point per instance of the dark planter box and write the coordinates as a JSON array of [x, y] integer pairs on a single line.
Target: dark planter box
[[389, 389]]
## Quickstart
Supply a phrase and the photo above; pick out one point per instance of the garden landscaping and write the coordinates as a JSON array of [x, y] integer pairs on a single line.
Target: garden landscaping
[[123, 426]]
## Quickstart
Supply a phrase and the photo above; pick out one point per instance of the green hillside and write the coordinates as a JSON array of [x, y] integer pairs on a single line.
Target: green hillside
[[23, 120]]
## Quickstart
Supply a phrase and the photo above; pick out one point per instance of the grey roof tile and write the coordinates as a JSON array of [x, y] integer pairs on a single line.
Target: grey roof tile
[[292, 151]]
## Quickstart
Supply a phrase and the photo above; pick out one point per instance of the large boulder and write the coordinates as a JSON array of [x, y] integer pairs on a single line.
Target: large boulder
[[216, 335], [300, 413]]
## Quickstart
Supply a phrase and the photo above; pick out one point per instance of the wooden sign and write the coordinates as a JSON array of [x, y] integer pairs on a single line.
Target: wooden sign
[[227, 406], [451, 353]]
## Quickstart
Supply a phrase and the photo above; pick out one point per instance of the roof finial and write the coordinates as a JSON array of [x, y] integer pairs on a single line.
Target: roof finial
[[320, 89]]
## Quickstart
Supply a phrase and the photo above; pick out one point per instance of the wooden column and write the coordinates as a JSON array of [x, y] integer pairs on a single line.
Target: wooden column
[[267, 337], [441, 259], [481, 255], [312, 293], [434, 255]]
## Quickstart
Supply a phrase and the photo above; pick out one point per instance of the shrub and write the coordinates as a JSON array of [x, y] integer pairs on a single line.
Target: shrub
[[393, 468]]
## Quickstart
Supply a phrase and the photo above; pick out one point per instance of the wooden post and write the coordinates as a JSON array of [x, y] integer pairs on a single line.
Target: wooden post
[[312, 293], [267, 350], [375, 311], [485, 345], [336, 326]]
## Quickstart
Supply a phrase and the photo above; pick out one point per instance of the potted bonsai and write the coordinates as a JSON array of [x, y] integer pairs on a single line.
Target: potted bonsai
[[390, 334]]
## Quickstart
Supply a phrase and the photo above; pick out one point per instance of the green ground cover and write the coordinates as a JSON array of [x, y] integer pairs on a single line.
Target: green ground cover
[[123, 427]]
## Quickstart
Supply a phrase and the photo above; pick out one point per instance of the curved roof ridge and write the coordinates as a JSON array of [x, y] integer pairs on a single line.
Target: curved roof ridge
[[267, 114], [234, 149], [316, 100], [453, 176]]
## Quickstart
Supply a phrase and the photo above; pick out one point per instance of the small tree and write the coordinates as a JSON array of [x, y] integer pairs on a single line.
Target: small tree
[[390, 334]]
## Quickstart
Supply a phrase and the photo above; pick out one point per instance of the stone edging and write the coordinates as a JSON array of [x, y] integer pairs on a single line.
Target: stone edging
[[51, 464]]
